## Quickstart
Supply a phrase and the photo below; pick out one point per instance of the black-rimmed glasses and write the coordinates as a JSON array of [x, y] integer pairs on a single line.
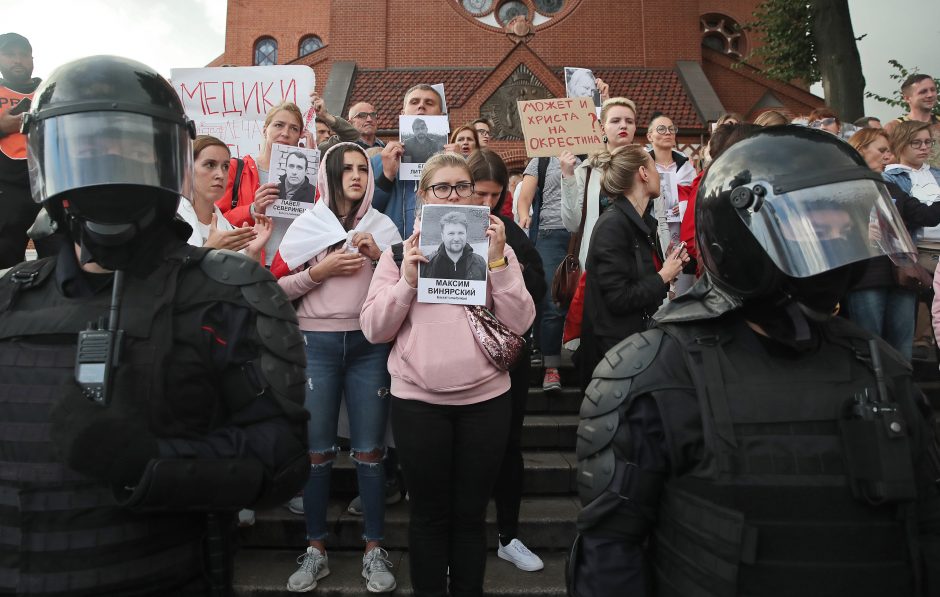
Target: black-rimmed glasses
[[444, 190], [366, 115]]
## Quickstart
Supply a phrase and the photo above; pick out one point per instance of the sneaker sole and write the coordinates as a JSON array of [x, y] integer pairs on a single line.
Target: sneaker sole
[[373, 590], [322, 574], [293, 511], [522, 567], [551, 388]]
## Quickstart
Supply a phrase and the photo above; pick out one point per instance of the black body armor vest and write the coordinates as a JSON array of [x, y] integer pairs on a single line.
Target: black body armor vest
[[769, 507], [47, 509]]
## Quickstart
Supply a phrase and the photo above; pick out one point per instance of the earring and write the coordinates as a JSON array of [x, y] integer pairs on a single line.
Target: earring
[[604, 138]]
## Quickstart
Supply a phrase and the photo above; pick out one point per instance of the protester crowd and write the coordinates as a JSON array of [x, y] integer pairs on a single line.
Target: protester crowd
[[424, 408]]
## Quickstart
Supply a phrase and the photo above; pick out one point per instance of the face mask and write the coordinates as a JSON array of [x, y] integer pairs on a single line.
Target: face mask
[[819, 294]]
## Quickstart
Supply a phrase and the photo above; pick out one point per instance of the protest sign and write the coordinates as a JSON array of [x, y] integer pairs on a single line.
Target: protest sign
[[422, 137], [294, 170], [453, 238], [439, 88], [564, 124], [230, 103]]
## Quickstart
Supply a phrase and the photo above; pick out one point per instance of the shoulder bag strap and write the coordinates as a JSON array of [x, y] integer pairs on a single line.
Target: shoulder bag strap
[[574, 244], [238, 180]]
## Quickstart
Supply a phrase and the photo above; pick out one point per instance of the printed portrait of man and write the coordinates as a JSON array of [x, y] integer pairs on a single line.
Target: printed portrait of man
[[421, 144], [294, 184], [455, 258]]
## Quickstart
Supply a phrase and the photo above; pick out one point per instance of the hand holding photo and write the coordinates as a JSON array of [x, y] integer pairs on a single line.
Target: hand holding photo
[[454, 240], [580, 82], [294, 171]]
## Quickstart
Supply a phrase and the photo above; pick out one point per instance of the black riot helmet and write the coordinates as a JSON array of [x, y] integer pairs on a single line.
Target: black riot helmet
[[779, 210], [109, 152]]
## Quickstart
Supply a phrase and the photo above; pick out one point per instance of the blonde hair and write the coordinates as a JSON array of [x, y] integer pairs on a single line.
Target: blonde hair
[[441, 160], [286, 106], [903, 133], [618, 168], [616, 101], [771, 118]]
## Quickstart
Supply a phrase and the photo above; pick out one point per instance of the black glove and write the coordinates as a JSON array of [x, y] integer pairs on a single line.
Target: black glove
[[101, 442]]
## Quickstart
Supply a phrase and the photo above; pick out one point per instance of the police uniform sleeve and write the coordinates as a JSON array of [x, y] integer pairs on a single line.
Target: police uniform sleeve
[[237, 398], [626, 450]]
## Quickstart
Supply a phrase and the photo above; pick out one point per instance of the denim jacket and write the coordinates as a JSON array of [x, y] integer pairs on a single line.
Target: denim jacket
[[902, 178]]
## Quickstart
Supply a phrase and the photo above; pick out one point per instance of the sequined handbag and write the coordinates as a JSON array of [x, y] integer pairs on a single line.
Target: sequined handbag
[[501, 345]]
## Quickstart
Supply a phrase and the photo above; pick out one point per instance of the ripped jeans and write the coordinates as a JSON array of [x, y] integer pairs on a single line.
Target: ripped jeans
[[345, 364]]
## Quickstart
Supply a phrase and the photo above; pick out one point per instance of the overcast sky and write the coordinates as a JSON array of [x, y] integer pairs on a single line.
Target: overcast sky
[[190, 33]]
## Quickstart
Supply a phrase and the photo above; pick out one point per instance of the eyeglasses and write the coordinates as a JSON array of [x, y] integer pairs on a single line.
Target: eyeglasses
[[483, 132], [663, 129], [366, 115], [443, 190], [918, 143], [818, 124]]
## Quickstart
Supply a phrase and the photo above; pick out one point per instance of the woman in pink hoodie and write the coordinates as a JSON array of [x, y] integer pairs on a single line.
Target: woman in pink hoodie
[[333, 250], [450, 407]]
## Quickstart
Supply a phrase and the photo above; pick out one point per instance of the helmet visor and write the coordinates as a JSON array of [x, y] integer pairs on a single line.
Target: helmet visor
[[104, 149], [813, 230]]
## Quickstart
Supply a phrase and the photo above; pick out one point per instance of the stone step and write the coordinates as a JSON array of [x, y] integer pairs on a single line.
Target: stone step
[[546, 472], [567, 400], [545, 523], [264, 573], [549, 432]]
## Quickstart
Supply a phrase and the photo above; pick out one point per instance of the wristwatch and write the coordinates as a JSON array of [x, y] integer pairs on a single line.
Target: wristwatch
[[498, 263]]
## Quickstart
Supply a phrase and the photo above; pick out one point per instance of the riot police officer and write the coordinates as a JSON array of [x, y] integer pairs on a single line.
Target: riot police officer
[[143, 383], [750, 443]]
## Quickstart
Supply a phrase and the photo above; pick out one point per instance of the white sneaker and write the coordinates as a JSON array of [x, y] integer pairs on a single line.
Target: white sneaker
[[520, 556], [246, 518], [296, 504], [313, 566], [375, 567]]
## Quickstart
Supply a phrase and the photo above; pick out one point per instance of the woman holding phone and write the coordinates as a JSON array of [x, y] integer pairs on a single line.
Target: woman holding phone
[[627, 277]]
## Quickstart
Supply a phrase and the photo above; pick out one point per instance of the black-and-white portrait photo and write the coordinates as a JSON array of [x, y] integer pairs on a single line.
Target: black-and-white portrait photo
[[294, 171], [453, 238], [579, 82], [422, 136]]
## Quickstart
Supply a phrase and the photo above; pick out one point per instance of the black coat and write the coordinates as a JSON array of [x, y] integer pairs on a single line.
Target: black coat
[[622, 288], [533, 273]]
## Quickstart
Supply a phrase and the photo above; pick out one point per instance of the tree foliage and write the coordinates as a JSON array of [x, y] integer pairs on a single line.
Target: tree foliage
[[787, 51], [896, 100]]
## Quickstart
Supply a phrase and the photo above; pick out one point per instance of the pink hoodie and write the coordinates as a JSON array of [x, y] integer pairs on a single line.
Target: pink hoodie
[[436, 357], [334, 304]]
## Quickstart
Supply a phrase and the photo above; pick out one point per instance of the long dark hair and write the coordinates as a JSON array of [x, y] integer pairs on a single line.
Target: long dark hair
[[334, 182], [485, 164]]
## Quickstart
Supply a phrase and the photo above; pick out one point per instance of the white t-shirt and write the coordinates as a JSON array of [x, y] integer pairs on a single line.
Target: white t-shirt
[[925, 189], [200, 231]]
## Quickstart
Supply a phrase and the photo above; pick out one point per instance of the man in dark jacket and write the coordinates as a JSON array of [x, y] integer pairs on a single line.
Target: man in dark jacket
[[455, 258]]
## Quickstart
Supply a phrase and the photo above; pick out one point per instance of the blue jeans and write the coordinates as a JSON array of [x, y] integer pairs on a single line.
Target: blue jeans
[[338, 364], [552, 246], [885, 312]]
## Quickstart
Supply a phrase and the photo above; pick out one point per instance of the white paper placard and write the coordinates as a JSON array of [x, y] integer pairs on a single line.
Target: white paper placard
[[293, 168], [453, 238]]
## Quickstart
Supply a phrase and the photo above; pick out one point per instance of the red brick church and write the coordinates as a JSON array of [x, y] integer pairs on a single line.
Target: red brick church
[[670, 56]]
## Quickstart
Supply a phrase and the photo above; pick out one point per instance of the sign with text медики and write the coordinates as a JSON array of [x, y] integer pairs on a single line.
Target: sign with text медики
[[563, 124], [231, 102]]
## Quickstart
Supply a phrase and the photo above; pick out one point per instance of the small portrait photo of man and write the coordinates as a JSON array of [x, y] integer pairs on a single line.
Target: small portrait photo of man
[[422, 136], [580, 82], [455, 257], [294, 169]]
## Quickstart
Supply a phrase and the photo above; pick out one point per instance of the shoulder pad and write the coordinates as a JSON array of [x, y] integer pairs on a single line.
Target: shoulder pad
[[268, 298], [631, 357], [233, 269], [283, 338], [595, 474], [23, 276], [596, 433], [614, 375]]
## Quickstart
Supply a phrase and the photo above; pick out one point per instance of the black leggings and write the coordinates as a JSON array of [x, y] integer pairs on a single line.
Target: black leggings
[[450, 456], [508, 490]]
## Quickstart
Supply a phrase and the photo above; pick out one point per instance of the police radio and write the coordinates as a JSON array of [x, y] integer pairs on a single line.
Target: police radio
[[876, 442], [99, 350]]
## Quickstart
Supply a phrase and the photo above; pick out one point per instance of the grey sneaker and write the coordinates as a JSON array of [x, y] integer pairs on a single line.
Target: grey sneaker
[[392, 496], [519, 555], [313, 566], [296, 504], [246, 518], [375, 569]]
